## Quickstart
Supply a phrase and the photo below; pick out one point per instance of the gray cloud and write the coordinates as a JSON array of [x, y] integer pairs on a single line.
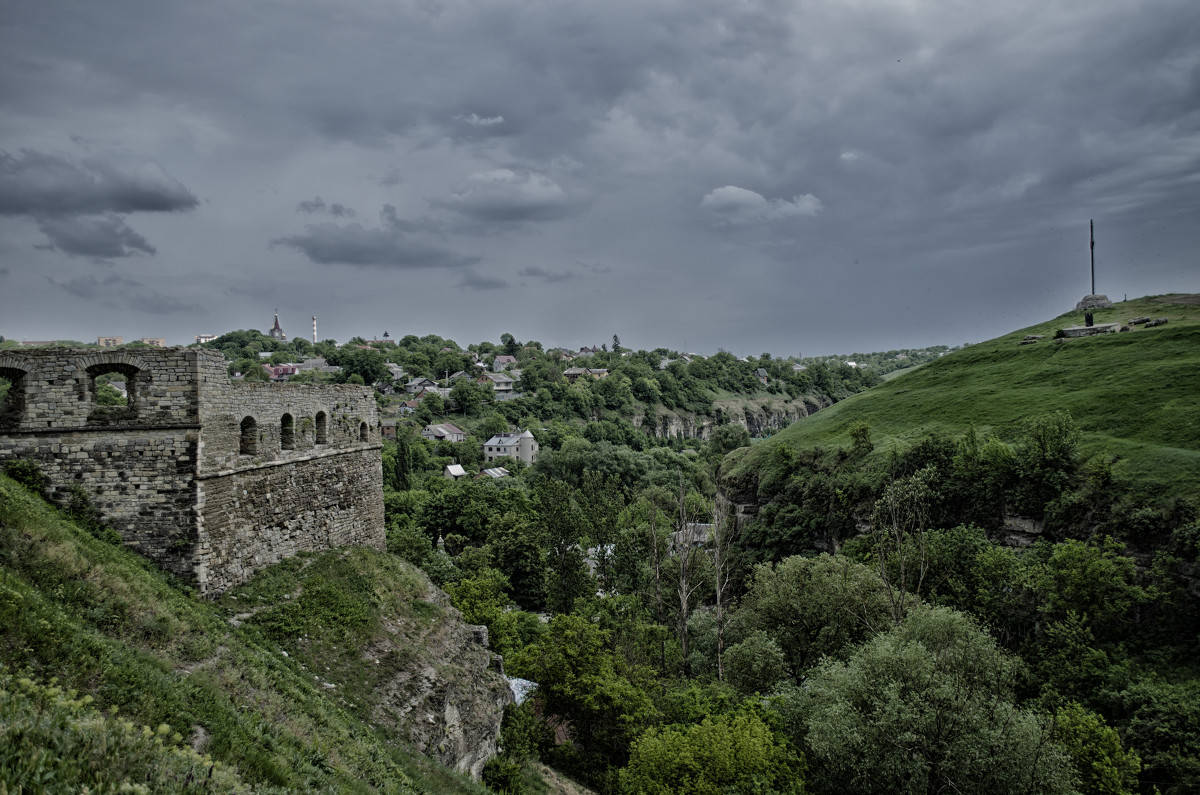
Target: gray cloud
[[506, 196], [316, 205], [534, 272], [738, 164], [119, 292], [103, 237], [472, 280], [391, 245], [45, 185], [739, 206], [475, 120], [90, 287]]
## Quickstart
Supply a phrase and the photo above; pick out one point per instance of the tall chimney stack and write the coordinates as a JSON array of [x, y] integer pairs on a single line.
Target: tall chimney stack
[[314, 329]]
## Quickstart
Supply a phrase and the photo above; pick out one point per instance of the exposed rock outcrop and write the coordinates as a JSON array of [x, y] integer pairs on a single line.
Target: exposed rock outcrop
[[760, 417], [450, 702]]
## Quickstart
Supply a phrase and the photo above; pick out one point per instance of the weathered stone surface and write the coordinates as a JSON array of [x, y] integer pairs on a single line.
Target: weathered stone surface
[[1089, 331], [759, 420], [168, 471], [1020, 525], [1093, 302]]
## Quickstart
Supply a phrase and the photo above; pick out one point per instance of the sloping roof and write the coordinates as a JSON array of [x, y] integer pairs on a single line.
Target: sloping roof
[[508, 439], [496, 472], [441, 430], [455, 470]]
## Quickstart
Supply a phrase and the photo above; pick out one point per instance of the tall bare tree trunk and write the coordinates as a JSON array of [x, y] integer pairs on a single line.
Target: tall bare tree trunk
[[658, 602], [722, 572], [687, 543]]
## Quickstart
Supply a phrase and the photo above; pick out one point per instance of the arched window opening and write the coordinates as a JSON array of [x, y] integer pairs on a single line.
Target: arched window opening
[[362, 432], [249, 442], [112, 387], [12, 395], [322, 428], [287, 432]]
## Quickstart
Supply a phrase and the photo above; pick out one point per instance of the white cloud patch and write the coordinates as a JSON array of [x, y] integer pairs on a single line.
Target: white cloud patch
[[475, 120], [738, 206], [505, 196]]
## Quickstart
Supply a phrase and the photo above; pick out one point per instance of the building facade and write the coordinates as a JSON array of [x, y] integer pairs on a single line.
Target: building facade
[[520, 445], [212, 479]]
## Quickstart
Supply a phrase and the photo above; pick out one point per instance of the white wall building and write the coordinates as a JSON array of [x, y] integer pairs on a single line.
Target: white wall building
[[519, 444]]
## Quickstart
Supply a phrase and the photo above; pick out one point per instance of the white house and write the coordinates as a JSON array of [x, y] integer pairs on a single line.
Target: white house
[[443, 432], [502, 385], [519, 444]]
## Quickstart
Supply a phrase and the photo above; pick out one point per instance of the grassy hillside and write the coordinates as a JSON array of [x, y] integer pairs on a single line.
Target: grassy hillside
[[1135, 395], [95, 644]]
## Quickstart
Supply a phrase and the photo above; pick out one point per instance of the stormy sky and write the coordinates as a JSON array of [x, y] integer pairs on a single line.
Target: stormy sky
[[805, 177]]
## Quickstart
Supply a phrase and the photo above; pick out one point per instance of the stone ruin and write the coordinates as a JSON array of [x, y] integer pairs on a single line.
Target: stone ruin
[[211, 479], [1093, 302]]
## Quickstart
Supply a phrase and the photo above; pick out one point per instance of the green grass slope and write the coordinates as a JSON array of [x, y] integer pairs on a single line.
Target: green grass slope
[[113, 676], [1135, 394]]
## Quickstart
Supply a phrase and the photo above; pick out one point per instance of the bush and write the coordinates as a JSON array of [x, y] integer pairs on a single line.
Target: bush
[[28, 474]]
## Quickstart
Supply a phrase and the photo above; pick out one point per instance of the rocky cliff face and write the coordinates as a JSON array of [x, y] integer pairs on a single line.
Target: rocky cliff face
[[450, 699], [382, 639], [760, 417]]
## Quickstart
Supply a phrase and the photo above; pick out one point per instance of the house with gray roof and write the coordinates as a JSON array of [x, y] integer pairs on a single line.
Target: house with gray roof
[[519, 444], [443, 432]]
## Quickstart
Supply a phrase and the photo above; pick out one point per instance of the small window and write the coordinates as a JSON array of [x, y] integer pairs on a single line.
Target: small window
[[249, 442], [12, 395], [112, 387], [322, 428], [287, 432], [362, 432]]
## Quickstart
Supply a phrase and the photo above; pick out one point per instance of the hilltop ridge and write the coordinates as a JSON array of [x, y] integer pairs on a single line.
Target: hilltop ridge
[[1134, 394]]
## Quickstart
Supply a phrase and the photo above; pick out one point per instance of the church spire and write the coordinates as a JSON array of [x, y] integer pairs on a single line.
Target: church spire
[[276, 332]]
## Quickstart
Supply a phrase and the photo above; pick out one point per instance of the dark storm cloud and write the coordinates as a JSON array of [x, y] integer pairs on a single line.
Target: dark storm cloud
[[45, 185], [755, 158], [387, 246], [102, 237]]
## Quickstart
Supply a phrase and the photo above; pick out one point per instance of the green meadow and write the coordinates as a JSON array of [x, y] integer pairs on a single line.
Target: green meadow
[[1134, 394]]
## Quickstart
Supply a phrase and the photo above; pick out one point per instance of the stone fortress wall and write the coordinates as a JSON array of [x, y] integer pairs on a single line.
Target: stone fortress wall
[[209, 478]]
